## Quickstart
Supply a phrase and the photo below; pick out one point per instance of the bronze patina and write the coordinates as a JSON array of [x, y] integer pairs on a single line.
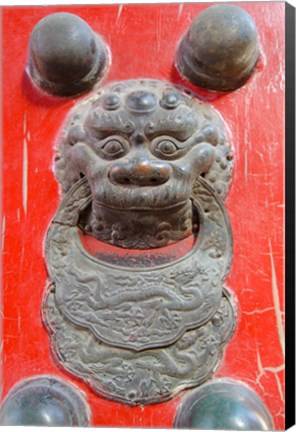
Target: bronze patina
[[142, 165], [66, 57], [141, 144], [220, 49]]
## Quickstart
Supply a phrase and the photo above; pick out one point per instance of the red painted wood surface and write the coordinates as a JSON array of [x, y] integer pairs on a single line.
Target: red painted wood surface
[[142, 39]]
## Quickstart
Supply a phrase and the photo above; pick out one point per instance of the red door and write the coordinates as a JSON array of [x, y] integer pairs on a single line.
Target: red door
[[142, 40]]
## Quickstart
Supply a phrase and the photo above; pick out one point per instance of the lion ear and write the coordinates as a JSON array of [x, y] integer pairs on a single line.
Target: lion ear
[[210, 134], [220, 174], [65, 171]]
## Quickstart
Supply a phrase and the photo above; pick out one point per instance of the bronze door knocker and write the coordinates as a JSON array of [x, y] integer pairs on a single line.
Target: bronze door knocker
[[155, 168]]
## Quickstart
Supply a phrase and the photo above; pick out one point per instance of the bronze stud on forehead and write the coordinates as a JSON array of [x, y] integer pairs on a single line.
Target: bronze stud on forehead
[[111, 102], [141, 101], [170, 100]]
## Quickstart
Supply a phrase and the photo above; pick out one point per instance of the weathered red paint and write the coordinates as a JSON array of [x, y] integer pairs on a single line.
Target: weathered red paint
[[143, 39]]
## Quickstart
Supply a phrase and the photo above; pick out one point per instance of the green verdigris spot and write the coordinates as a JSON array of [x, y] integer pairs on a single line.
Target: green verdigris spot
[[223, 405]]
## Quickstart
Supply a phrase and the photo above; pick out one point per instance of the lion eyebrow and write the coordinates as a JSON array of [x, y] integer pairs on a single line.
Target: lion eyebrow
[[110, 123], [105, 129], [181, 127]]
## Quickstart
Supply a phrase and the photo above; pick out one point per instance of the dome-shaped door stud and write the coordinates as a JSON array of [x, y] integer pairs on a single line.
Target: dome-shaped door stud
[[66, 57], [220, 49]]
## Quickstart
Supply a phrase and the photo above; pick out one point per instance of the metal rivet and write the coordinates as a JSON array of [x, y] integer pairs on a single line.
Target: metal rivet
[[141, 101], [223, 405], [220, 49], [170, 100], [112, 102], [44, 401], [65, 56]]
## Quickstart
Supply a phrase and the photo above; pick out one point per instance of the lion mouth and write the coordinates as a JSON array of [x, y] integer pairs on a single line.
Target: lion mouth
[[143, 208], [163, 198]]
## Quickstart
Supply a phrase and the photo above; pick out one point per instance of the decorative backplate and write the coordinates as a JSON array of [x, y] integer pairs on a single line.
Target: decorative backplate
[[146, 377]]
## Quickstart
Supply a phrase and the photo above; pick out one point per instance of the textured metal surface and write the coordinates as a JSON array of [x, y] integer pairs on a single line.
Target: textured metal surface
[[132, 307], [44, 400], [65, 56], [142, 148], [223, 405], [141, 144], [220, 49], [147, 377]]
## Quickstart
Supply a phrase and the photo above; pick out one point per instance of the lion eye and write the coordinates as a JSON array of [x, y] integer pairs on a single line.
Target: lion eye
[[167, 147], [113, 148]]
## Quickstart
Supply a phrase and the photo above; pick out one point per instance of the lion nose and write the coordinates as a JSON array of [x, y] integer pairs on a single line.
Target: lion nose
[[140, 173]]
